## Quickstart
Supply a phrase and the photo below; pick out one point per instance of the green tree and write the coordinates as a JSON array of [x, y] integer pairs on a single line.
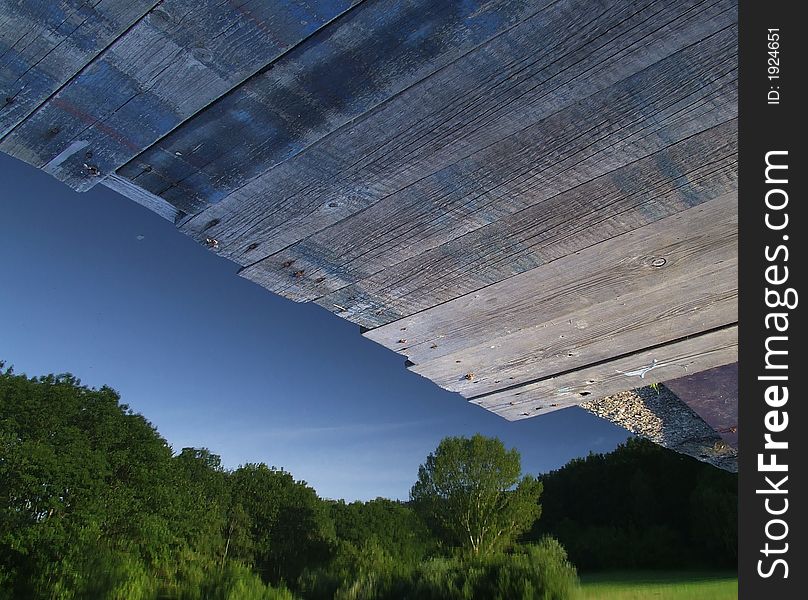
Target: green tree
[[472, 493], [289, 525], [393, 525], [80, 476]]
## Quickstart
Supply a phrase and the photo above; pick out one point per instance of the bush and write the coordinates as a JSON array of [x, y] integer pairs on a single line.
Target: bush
[[534, 572], [117, 576], [237, 582]]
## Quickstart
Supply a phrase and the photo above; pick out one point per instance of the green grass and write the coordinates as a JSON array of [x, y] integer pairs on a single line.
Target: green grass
[[654, 585]]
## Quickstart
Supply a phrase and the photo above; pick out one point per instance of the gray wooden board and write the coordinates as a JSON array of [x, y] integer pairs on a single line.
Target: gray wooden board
[[667, 102], [374, 52], [173, 62], [634, 318], [683, 357], [154, 203], [694, 170], [507, 87], [598, 273], [43, 44]]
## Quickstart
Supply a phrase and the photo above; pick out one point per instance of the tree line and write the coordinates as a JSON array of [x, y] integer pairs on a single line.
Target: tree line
[[95, 504]]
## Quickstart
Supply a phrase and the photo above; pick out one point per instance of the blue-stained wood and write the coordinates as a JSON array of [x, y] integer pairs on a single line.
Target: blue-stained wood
[[44, 43], [586, 140], [683, 175], [500, 95], [376, 51], [172, 63]]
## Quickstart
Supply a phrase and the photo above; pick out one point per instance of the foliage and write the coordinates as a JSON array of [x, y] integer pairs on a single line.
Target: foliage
[[391, 525], [94, 505], [539, 571], [641, 506], [472, 493]]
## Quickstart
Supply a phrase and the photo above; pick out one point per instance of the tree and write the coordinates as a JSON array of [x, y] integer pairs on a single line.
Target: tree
[[289, 526], [393, 525], [472, 493], [78, 471]]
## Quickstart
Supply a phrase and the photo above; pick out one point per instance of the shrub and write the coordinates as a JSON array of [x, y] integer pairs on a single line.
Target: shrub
[[237, 582], [535, 572]]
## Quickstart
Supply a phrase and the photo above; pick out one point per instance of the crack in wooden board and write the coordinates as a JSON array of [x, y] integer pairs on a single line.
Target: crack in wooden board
[[683, 357], [375, 52], [179, 58], [681, 176], [515, 303], [43, 44], [668, 102], [498, 90]]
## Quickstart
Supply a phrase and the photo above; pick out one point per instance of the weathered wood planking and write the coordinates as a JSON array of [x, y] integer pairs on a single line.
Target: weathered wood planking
[[697, 353], [137, 194], [43, 44], [635, 318], [563, 55], [176, 60], [596, 135], [694, 170], [553, 291], [374, 52]]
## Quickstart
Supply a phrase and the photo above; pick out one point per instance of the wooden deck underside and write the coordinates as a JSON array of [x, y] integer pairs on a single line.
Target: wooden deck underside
[[534, 201]]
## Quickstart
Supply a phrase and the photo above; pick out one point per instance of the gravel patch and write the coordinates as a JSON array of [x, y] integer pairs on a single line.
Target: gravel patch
[[660, 416]]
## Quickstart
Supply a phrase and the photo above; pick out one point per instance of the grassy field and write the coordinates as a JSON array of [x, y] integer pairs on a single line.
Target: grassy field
[[654, 585]]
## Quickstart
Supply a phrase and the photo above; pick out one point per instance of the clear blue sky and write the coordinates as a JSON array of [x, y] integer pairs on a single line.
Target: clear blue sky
[[213, 360]]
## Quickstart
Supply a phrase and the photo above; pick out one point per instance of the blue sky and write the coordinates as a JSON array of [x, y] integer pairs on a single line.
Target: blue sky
[[95, 285]]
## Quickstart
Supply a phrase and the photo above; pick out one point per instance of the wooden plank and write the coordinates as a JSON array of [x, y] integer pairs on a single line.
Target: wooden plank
[[636, 318], [674, 99], [563, 55], [615, 267], [694, 170], [713, 395], [154, 203], [175, 61], [43, 44], [691, 355], [375, 52]]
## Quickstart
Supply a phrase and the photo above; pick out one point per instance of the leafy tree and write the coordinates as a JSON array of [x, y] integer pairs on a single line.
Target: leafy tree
[[654, 508], [288, 524], [472, 492], [392, 525], [78, 470]]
